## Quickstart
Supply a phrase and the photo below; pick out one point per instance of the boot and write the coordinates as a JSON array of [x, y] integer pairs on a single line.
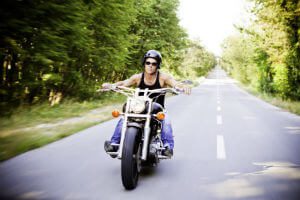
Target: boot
[[168, 152]]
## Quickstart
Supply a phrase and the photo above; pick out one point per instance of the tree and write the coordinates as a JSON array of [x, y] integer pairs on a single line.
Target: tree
[[274, 37]]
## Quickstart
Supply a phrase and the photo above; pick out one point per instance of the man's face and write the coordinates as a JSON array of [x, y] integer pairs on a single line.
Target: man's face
[[150, 66]]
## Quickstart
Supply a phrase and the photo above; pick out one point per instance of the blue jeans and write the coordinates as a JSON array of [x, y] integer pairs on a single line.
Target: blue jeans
[[166, 133]]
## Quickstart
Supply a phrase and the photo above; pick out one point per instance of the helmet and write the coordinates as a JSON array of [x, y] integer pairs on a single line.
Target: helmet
[[153, 54]]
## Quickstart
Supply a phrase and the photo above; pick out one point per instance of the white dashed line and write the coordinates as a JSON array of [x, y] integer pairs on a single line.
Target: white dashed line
[[219, 120], [221, 153]]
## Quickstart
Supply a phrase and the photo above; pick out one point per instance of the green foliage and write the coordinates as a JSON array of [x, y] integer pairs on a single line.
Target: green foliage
[[236, 54], [265, 74], [157, 27], [197, 60], [71, 47], [267, 52]]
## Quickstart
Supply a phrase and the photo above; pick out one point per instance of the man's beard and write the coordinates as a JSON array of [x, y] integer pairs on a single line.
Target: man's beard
[[153, 73]]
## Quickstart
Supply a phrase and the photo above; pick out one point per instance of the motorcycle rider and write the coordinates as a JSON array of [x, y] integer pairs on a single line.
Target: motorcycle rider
[[151, 78]]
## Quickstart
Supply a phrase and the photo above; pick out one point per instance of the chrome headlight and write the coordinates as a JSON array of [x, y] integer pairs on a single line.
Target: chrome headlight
[[137, 106]]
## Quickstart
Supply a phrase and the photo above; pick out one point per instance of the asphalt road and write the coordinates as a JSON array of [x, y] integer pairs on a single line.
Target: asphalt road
[[228, 145]]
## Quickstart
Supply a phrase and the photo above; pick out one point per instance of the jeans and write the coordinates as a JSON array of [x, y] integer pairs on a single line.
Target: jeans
[[166, 133]]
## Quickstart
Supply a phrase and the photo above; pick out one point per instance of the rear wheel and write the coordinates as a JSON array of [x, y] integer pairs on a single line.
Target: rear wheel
[[131, 162]]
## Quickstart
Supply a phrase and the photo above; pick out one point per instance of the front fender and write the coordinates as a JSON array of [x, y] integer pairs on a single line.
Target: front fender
[[135, 124]]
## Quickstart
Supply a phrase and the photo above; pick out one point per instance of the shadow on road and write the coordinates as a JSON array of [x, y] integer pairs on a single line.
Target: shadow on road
[[147, 171], [274, 180]]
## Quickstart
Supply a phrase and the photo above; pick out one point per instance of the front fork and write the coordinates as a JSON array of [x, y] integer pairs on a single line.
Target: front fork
[[146, 133], [146, 138], [124, 127]]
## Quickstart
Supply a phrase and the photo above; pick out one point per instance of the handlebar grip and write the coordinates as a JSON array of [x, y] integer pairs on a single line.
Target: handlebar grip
[[103, 90], [178, 90]]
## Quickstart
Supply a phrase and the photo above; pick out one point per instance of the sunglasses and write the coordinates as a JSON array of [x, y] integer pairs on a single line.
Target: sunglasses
[[150, 63]]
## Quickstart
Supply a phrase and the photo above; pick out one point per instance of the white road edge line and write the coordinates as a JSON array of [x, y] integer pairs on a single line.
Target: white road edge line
[[221, 153], [219, 108]]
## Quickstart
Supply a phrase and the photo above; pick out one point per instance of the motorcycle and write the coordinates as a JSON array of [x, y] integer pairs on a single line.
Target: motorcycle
[[141, 143]]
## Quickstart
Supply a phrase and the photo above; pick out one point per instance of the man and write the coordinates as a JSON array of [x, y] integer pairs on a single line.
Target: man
[[151, 78]]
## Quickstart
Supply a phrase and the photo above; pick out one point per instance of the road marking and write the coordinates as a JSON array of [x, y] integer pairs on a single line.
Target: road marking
[[219, 120], [221, 153], [293, 129], [219, 108]]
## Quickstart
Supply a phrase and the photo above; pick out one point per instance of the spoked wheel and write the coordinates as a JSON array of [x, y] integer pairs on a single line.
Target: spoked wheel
[[131, 161]]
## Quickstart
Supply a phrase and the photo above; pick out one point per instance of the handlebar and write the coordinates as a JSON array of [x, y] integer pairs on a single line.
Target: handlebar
[[130, 91]]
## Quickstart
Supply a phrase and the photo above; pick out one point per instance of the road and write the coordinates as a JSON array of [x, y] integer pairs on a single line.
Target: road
[[228, 145]]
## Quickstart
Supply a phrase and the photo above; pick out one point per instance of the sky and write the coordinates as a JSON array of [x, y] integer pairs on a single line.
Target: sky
[[212, 21]]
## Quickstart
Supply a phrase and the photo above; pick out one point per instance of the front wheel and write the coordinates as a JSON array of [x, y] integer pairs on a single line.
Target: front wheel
[[130, 164]]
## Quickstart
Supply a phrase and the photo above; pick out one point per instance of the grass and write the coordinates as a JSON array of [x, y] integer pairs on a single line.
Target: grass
[[288, 105], [43, 113], [292, 106], [30, 128], [15, 144]]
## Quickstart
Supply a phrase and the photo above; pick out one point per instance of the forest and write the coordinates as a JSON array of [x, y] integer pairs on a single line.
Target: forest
[[265, 55], [57, 49]]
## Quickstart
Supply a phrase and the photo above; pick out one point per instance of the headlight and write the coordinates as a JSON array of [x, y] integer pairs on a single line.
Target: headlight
[[137, 106]]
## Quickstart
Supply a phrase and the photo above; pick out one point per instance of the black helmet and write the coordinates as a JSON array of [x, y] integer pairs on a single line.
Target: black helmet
[[153, 54]]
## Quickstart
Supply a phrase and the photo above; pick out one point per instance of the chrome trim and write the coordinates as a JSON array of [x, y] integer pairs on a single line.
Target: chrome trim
[[137, 115], [124, 127], [163, 157], [147, 132]]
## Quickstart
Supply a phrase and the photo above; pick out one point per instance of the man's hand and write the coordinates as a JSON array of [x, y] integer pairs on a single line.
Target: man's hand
[[108, 86], [184, 88], [187, 89]]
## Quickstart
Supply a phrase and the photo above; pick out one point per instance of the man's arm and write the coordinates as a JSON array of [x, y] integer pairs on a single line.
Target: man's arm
[[133, 80], [170, 81]]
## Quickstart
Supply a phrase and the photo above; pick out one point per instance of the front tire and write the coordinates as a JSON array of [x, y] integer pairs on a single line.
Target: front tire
[[130, 164]]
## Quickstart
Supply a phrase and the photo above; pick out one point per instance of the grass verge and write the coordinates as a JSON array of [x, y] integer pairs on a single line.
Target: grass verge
[[30, 128], [291, 106]]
